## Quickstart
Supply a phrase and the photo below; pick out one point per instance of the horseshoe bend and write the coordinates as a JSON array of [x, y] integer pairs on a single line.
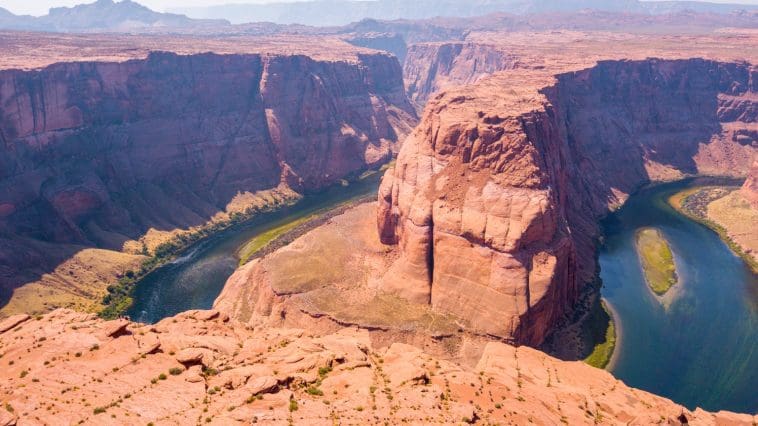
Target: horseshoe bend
[[431, 234]]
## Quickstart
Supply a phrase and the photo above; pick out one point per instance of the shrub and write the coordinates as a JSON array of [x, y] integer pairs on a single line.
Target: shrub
[[323, 371], [99, 410], [312, 390], [293, 405], [175, 371], [162, 377]]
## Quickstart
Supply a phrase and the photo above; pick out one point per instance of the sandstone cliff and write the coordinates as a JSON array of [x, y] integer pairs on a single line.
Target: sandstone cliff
[[93, 154], [494, 198], [431, 66], [202, 368], [435, 64]]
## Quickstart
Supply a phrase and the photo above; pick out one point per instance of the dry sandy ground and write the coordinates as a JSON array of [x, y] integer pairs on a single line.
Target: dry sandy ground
[[735, 214]]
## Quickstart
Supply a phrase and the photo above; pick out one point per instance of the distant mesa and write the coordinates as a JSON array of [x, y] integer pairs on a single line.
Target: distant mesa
[[102, 16], [342, 12]]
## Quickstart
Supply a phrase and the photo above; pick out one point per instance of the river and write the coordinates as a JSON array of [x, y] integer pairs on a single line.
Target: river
[[699, 346], [197, 276], [699, 350]]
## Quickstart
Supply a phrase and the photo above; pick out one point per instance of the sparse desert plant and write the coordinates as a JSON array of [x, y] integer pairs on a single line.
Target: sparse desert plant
[[312, 390]]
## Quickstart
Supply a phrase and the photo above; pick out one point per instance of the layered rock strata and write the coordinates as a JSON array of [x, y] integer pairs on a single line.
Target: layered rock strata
[[494, 198], [202, 367], [94, 154]]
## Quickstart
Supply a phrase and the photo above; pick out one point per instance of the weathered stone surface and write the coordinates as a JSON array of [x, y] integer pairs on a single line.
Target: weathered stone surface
[[395, 384], [12, 322], [116, 328], [189, 356], [260, 385]]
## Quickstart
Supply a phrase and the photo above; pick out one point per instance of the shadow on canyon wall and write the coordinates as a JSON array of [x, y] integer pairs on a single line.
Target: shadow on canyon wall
[[628, 123], [95, 154]]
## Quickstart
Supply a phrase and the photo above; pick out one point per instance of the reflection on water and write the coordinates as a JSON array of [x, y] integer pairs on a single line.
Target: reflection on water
[[702, 349], [195, 279]]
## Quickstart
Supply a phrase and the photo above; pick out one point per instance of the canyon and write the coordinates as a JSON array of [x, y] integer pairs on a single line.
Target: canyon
[[423, 306], [118, 155], [487, 222]]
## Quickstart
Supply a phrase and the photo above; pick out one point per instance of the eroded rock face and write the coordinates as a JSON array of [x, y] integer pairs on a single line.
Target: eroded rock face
[[96, 153], [750, 188], [494, 198], [431, 66], [201, 367]]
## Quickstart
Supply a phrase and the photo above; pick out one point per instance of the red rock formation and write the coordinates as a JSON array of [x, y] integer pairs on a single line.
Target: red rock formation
[[750, 188], [95, 153], [493, 199], [202, 367]]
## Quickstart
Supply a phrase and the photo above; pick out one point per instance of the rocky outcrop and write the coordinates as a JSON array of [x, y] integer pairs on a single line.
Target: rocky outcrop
[[494, 198], [97, 153], [201, 367], [750, 188]]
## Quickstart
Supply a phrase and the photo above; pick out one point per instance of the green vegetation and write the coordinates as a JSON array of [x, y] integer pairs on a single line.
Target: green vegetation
[[323, 371], [293, 405], [256, 244], [313, 390], [175, 371], [657, 260], [693, 203], [603, 350], [119, 297]]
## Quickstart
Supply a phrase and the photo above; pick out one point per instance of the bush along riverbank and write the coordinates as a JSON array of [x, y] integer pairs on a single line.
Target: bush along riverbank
[[693, 203], [119, 297], [350, 191], [604, 330]]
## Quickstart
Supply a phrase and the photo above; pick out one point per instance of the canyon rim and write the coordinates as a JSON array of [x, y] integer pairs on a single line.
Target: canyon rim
[[131, 139]]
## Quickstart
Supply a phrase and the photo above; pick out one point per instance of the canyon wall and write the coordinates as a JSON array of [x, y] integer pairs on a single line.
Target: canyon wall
[[97, 153], [494, 198], [428, 67]]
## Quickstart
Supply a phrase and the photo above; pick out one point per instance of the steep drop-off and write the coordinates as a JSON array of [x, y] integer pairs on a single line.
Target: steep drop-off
[[94, 154], [494, 198], [429, 67]]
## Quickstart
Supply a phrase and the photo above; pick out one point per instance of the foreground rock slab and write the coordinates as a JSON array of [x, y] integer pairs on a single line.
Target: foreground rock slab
[[65, 366]]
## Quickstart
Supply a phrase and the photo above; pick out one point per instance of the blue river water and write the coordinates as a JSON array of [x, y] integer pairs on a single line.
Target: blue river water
[[699, 347]]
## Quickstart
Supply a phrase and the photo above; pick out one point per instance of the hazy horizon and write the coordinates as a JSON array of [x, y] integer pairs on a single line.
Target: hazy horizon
[[41, 7]]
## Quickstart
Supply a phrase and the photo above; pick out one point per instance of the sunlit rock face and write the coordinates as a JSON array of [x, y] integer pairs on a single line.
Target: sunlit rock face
[[494, 198]]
